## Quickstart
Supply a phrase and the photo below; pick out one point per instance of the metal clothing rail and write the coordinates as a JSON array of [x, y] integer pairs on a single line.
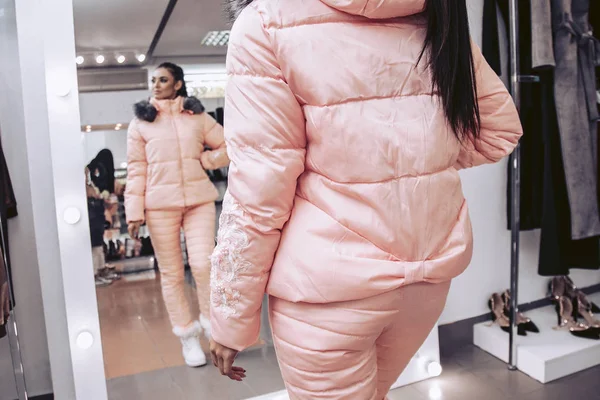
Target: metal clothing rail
[[515, 182]]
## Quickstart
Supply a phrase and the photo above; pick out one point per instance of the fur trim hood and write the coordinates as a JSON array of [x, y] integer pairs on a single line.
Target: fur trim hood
[[146, 110], [234, 8]]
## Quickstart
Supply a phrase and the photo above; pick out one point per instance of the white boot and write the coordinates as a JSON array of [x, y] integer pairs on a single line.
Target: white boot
[[206, 327], [190, 341]]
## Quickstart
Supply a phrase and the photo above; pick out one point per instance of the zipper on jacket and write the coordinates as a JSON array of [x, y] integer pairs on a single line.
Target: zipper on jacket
[[180, 157]]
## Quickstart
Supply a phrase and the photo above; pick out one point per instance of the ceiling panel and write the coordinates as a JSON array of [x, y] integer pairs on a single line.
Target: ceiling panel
[[116, 24], [190, 22]]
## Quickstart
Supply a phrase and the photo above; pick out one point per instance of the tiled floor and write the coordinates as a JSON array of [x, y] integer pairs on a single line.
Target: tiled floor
[[136, 334], [469, 374], [135, 327], [143, 361]]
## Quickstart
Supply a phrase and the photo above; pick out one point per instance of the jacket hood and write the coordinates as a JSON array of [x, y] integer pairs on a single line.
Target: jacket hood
[[147, 110], [375, 9], [378, 9]]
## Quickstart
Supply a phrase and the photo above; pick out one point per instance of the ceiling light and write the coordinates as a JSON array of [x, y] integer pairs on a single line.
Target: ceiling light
[[141, 57], [80, 60], [216, 38], [121, 58], [100, 59]]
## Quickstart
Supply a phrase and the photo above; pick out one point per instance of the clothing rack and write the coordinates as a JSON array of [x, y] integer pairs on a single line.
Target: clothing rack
[[515, 180], [12, 327]]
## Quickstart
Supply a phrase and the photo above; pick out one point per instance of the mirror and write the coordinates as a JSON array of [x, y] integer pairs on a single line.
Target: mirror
[[152, 288]]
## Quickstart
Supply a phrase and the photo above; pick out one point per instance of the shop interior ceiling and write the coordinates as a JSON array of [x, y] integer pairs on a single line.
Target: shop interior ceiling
[[124, 36]]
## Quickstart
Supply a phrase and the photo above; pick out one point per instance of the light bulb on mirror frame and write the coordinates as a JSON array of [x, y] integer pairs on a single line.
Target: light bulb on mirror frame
[[434, 369], [80, 60], [121, 58], [100, 59]]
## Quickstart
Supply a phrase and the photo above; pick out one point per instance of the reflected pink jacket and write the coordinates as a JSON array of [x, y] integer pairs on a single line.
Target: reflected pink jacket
[[166, 157], [343, 181]]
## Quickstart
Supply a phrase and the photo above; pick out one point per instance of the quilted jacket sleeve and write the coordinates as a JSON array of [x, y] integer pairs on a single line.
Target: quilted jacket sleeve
[[500, 124], [266, 142], [137, 169], [213, 138]]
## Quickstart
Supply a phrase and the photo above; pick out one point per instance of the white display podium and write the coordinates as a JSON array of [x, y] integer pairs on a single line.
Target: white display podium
[[545, 356]]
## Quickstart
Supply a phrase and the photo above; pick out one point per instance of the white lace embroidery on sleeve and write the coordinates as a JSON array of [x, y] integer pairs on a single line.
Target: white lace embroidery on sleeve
[[227, 261]]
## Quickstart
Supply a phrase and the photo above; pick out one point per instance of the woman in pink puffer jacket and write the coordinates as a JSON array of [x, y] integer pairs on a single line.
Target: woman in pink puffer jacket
[[167, 187], [346, 124]]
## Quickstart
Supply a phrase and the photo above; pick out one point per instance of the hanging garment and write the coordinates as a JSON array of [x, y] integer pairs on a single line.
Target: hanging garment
[[8, 209], [4, 297], [576, 109], [490, 46], [558, 251], [534, 22]]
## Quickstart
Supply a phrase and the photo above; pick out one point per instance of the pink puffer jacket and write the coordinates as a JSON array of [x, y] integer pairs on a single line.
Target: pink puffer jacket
[[166, 157], [343, 181]]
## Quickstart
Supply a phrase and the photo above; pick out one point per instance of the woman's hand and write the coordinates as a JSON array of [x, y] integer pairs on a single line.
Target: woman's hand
[[134, 229], [222, 358]]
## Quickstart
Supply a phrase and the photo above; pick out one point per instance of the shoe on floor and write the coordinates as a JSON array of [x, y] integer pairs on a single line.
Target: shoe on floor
[[102, 282], [109, 273], [190, 343]]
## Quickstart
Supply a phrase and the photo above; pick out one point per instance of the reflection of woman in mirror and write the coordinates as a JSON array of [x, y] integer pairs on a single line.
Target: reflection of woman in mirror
[[346, 123], [168, 188]]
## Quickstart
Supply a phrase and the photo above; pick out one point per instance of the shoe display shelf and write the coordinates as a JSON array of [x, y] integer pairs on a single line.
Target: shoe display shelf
[[546, 356], [424, 365]]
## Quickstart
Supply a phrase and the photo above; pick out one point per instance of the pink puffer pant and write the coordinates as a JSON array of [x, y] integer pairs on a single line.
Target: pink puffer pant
[[353, 350], [199, 228]]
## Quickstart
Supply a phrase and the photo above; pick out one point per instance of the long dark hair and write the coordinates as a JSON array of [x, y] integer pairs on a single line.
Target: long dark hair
[[177, 73], [102, 171], [448, 43]]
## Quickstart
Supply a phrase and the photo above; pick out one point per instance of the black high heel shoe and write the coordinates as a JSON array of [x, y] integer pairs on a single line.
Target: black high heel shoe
[[566, 321], [524, 323], [564, 286], [499, 317], [574, 293], [584, 310]]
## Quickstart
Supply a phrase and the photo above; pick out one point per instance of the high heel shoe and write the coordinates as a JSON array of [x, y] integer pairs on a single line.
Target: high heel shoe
[[497, 307], [564, 312], [524, 323], [584, 309], [564, 286], [574, 292]]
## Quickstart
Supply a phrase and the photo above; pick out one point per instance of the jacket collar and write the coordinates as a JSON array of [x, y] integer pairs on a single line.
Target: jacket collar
[[148, 110]]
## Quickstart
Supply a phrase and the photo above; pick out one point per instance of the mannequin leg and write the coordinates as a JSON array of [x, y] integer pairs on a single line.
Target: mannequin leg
[[199, 227], [165, 227]]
